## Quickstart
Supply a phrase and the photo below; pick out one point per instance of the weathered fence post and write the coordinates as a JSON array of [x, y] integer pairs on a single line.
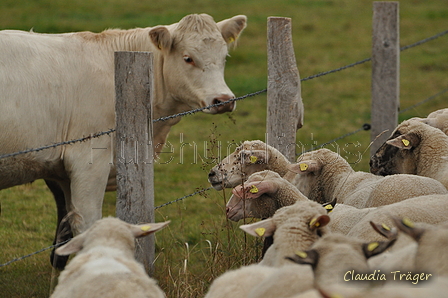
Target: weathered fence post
[[385, 72], [285, 107], [135, 173]]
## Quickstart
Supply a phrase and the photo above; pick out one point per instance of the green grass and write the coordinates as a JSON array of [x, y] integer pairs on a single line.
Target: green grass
[[199, 243]]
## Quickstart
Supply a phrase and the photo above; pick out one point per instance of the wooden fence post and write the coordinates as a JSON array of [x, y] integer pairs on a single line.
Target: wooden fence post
[[385, 72], [285, 107], [135, 173]]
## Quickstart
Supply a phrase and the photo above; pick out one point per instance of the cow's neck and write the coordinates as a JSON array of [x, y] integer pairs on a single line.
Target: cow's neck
[[163, 104]]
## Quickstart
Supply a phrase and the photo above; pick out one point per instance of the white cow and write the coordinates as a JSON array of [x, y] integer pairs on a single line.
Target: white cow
[[58, 87]]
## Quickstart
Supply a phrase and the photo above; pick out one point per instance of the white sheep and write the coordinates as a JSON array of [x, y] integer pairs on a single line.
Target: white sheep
[[250, 157], [247, 280], [324, 175], [437, 119], [432, 255], [335, 255], [105, 263], [294, 227], [261, 195], [413, 148]]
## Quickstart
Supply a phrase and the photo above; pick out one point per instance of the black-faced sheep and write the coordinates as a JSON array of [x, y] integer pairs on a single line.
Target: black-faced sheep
[[324, 175], [413, 148]]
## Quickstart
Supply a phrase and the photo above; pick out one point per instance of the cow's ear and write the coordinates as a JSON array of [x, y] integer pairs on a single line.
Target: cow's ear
[[232, 28], [406, 141], [161, 38]]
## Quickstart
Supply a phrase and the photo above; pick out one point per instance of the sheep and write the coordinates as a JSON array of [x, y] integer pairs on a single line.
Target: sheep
[[351, 221], [334, 255], [250, 157], [244, 281], [432, 255], [296, 227], [261, 195], [324, 175], [413, 148], [105, 264], [437, 119]]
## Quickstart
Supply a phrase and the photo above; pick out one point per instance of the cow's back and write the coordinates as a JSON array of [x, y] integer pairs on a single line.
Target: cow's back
[[54, 87]]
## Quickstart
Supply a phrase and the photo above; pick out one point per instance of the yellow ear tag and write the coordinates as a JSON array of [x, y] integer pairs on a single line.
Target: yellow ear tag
[[260, 231], [385, 227], [253, 159], [253, 189], [314, 222], [145, 228], [372, 246], [301, 254], [303, 167], [231, 39], [407, 222], [329, 207], [405, 142]]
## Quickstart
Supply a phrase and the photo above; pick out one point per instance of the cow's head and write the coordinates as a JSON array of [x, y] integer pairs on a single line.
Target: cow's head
[[194, 53]]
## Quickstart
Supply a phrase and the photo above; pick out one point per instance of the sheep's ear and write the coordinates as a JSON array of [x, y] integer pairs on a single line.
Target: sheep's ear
[[263, 228], [74, 245], [146, 229], [384, 230], [319, 222], [308, 257], [406, 141], [305, 167], [407, 226], [232, 28], [254, 156], [253, 190], [161, 38], [330, 206], [374, 248]]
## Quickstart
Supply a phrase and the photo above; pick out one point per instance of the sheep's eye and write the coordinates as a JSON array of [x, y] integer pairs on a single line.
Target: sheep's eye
[[188, 59]]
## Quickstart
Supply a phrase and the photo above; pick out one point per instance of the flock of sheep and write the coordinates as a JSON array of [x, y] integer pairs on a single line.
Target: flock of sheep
[[335, 232]]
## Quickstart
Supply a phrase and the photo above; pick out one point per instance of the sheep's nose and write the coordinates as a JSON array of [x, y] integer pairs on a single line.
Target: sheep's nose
[[211, 174]]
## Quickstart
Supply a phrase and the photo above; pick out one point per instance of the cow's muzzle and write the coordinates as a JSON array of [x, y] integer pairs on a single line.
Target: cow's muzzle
[[221, 107]]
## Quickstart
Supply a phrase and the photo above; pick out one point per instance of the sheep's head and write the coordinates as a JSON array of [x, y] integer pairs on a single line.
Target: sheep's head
[[250, 157], [111, 232], [431, 253], [398, 154], [339, 252], [261, 195]]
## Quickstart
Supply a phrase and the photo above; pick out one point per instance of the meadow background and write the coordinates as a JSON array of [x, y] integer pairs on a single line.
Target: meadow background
[[200, 243]]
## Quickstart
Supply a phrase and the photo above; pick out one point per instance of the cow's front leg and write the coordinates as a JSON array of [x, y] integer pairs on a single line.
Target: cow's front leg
[[88, 179]]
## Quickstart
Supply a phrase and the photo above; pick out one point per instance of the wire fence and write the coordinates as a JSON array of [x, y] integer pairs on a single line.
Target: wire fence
[[364, 127], [108, 132]]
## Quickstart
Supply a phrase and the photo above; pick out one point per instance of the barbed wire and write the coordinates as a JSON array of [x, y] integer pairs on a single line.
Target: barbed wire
[[184, 197], [34, 253], [99, 134], [424, 101], [365, 127]]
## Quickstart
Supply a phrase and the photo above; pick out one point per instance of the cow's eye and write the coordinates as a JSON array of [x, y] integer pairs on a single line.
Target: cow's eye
[[188, 59]]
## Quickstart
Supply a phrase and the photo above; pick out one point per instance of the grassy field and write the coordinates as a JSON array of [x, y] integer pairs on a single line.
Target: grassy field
[[199, 243]]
